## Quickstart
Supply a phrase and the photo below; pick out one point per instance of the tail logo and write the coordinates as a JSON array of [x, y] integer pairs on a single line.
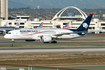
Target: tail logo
[[85, 25]]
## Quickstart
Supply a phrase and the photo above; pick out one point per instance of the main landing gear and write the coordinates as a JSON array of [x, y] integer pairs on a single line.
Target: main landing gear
[[53, 41], [29, 40], [12, 40]]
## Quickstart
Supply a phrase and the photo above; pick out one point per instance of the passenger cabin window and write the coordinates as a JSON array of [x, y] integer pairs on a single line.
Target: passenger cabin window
[[9, 32], [16, 32]]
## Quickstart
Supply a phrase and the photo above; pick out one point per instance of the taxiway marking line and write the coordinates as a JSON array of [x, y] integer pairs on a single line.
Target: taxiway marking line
[[83, 51], [19, 52]]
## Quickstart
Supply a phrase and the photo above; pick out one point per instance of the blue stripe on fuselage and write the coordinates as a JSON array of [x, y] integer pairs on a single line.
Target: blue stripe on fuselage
[[6, 28]]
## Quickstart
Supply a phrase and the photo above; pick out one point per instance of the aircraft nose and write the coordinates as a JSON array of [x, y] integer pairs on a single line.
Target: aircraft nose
[[6, 36]]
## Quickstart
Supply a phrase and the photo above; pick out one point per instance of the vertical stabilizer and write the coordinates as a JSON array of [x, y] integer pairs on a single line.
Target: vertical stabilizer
[[67, 26], [85, 25], [41, 25]]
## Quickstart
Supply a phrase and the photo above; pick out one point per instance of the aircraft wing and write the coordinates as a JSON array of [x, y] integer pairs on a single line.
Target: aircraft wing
[[70, 33], [61, 34]]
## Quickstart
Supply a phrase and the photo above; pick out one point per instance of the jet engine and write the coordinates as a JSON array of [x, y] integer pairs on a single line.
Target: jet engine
[[45, 39]]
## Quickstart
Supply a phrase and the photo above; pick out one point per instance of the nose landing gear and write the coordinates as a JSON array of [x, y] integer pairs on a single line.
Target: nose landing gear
[[12, 42]]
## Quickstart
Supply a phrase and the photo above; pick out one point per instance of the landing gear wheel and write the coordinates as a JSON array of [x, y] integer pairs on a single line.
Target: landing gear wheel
[[54, 42], [45, 42], [29, 40]]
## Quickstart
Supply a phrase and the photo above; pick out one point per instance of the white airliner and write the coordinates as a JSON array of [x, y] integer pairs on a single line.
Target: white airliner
[[50, 34], [4, 29]]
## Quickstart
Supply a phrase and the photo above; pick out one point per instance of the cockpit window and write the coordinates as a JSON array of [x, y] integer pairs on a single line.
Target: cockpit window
[[9, 32]]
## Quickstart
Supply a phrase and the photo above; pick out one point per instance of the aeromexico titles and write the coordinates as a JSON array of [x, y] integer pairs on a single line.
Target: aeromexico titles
[[50, 34]]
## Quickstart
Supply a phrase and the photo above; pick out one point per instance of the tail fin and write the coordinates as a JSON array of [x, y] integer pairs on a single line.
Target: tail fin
[[18, 23], [67, 25], [5, 25], [58, 26], [85, 25], [41, 25]]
